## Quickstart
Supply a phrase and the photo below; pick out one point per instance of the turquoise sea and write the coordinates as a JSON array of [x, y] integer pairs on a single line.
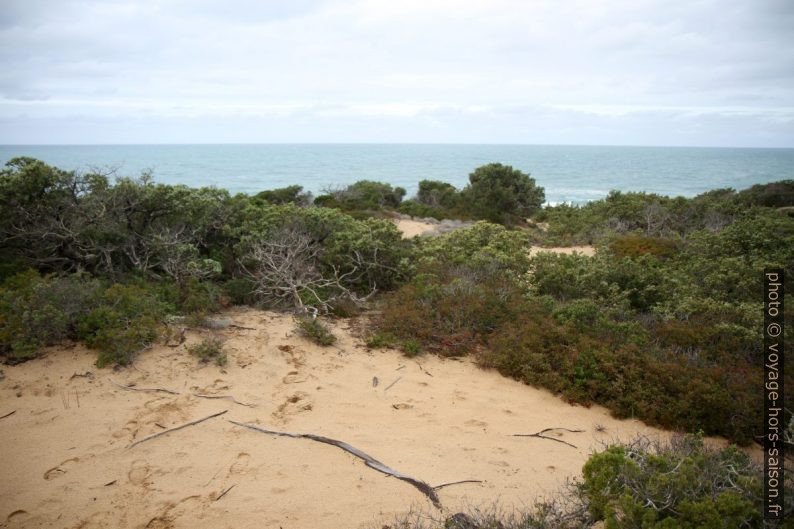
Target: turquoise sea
[[569, 173]]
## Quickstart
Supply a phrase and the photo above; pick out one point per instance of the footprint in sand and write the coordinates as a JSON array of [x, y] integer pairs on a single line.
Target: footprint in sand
[[476, 424], [295, 356], [61, 469], [293, 377], [298, 402], [240, 464], [139, 471], [129, 430], [16, 515]]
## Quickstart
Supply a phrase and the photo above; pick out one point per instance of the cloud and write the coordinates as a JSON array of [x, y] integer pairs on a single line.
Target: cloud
[[430, 66]]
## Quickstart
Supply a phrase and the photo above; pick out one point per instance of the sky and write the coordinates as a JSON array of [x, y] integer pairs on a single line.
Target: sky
[[611, 72]]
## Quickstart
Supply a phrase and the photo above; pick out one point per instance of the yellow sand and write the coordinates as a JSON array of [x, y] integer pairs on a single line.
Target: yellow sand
[[584, 250], [65, 460], [412, 228]]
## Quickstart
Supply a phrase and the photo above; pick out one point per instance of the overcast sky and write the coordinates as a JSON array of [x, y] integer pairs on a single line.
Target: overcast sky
[[635, 72]]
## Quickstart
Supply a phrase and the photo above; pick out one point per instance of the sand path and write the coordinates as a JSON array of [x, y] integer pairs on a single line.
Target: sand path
[[412, 228], [65, 460]]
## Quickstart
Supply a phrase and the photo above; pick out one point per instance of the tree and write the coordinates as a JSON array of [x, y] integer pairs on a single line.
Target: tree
[[501, 194]]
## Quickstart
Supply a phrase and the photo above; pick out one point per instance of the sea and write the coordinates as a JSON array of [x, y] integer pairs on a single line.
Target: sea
[[570, 174]]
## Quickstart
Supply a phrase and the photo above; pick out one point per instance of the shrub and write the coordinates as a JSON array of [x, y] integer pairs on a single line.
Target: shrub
[[364, 195], [126, 320], [484, 246], [451, 313], [38, 311], [637, 245], [640, 483], [501, 194], [285, 195], [379, 340], [209, 349], [680, 484], [315, 330], [239, 291]]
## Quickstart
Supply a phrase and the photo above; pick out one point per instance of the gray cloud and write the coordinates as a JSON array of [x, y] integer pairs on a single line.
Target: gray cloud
[[614, 71]]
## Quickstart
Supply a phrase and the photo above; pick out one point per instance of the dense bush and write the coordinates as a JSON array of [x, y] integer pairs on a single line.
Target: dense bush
[[364, 195], [123, 320], [501, 194], [683, 484], [117, 320], [666, 330], [495, 192], [36, 312], [640, 483], [284, 195]]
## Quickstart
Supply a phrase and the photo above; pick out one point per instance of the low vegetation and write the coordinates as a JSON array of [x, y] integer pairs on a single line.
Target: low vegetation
[[315, 330], [641, 483], [658, 326], [663, 323], [209, 350]]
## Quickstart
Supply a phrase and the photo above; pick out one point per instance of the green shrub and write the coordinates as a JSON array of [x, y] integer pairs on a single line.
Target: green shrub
[[239, 291], [126, 320], [380, 340], [315, 330], [201, 297], [209, 349], [38, 311], [503, 195], [680, 484], [364, 195], [285, 195]]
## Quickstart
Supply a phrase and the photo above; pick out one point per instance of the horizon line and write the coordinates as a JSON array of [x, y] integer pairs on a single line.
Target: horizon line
[[185, 144]]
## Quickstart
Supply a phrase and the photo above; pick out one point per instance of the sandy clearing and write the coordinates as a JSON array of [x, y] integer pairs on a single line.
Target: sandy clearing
[[412, 228], [65, 461], [584, 250]]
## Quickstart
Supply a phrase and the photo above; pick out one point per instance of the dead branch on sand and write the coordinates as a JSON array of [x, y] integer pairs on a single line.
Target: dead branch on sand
[[227, 397], [437, 487], [224, 492], [390, 385], [541, 436], [9, 414], [372, 463], [164, 432], [171, 392], [131, 388]]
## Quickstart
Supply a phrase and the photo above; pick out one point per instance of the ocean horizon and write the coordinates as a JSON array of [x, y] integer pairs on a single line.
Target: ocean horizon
[[569, 173]]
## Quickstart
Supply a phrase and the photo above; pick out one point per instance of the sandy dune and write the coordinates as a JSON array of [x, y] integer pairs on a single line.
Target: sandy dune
[[66, 463], [412, 228], [584, 250]]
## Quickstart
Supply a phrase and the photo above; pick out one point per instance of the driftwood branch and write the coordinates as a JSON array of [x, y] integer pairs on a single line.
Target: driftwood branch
[[540, 435], [437, 487], [390, 385], [226, 397], [371, 462], [423, 370], [224, 492], [164, 432], [131, 388], [170, 392]]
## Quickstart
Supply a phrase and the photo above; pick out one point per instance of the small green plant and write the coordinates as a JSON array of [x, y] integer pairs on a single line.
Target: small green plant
[[315, 330], [381, 340], [411, 347], [209, 349]]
